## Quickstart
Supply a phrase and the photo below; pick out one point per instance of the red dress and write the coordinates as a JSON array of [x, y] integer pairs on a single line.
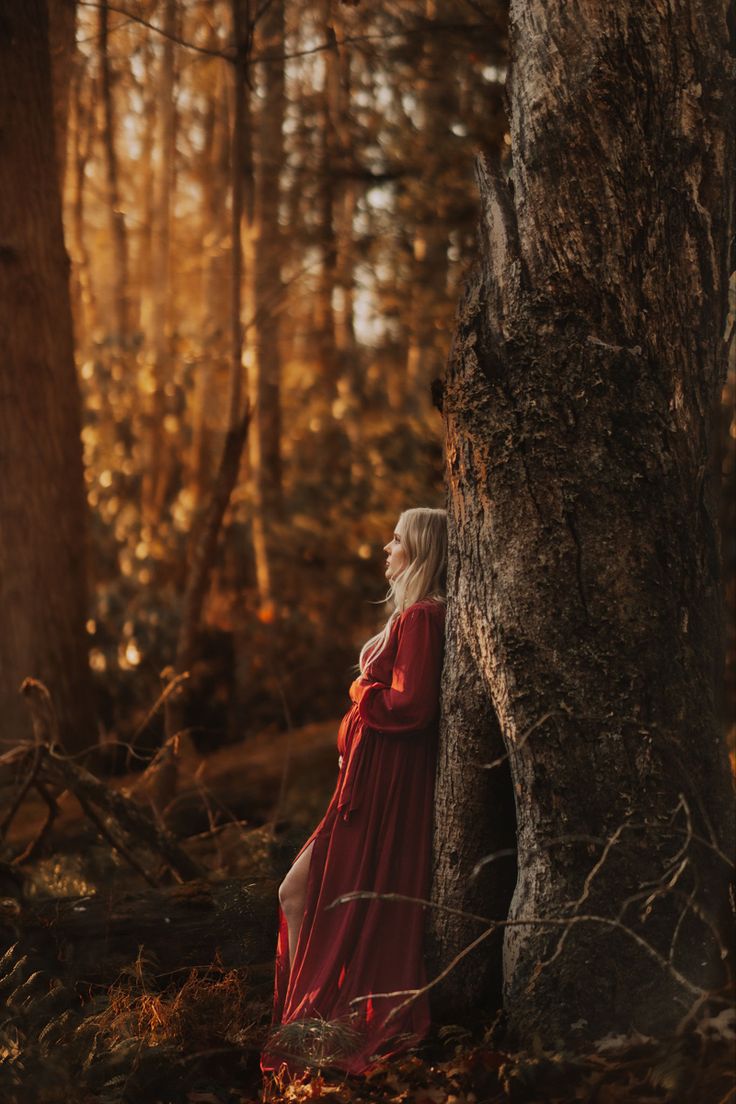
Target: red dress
[[376, 835]]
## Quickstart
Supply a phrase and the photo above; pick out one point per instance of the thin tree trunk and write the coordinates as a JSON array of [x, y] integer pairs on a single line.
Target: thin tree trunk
[[265, 275], [350, 373], [578, 402], [148, 92], [243, 196], [62, 28], [340, 381], [436, 96], [42, 501], [243, 132], [216, 175], [118, 232], [269, 288], [327, 200], [82, 125], [158, 470], [239, 416]]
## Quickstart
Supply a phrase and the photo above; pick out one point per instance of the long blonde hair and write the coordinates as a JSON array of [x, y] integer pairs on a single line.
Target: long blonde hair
[[424, 536]]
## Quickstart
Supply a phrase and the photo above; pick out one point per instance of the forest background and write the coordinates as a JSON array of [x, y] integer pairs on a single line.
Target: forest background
[[359, 212], [270, 212], [358, 129]]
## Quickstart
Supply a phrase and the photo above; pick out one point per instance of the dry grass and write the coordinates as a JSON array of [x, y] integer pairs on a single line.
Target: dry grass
[[213, 1007], [314, 1041]]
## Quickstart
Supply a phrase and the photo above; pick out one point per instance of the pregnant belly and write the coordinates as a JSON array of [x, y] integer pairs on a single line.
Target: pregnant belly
[[347, 728]]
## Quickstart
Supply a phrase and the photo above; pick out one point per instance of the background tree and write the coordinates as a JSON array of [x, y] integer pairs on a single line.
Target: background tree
[[116, 217], [42, 508], [579, 406]]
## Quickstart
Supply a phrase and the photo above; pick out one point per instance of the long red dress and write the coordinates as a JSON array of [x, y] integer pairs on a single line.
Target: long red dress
[[375, 835]]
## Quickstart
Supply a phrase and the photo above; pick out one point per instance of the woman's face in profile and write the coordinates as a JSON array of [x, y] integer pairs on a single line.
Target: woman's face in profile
[[396, 554]]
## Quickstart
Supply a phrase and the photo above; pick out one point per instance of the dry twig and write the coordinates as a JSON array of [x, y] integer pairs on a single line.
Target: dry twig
[[52, 766]]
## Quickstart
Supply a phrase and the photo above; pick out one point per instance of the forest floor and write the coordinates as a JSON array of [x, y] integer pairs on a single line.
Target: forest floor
[[133, 1032]]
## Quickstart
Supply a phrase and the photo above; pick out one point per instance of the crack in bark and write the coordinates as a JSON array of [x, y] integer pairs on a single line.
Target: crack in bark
[[522, 450], [578, 560], [533, 497]]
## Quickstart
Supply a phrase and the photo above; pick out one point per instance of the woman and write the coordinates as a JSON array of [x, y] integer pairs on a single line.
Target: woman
[[337, 967]]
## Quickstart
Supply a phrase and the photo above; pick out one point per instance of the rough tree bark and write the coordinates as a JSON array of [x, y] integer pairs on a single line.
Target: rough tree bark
[[467, 791], [579, 403], [42, 504]]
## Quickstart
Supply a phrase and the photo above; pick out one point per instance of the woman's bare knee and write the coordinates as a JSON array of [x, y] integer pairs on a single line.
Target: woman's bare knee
[[288, 897], [293, 889]]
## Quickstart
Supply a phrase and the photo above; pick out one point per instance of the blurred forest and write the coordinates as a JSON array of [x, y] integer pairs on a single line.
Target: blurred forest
[[270, 212], [347, 147], [356, 136]]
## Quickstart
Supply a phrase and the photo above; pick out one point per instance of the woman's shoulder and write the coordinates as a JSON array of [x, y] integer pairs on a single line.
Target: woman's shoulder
[[426, 608]]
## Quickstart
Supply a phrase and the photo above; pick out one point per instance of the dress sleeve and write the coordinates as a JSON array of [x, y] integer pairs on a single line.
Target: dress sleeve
[[412, 700]]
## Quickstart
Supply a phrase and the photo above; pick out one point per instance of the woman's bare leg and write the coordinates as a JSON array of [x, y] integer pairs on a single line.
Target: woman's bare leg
[[292, 897]]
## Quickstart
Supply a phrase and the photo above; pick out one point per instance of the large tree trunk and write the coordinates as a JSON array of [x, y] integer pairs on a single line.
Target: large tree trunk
[[467, 788], [579, 403], [42, 503]]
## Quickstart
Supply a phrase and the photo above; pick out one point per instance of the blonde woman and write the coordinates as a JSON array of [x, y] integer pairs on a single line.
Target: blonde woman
[[338, 969]]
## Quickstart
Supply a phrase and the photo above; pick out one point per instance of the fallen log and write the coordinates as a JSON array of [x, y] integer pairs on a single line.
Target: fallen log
[[232, 922], [237, 782], [123, 819], [250, 781]]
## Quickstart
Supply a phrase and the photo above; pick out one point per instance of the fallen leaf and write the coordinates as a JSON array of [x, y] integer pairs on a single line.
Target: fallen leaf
[[430, 1096]]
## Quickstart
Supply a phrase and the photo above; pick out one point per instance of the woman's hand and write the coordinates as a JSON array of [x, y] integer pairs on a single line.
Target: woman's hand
[[356, 688], [359, 687]]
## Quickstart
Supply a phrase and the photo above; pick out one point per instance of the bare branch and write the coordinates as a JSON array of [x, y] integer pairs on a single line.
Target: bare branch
[[518, 745], [131, 18]]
